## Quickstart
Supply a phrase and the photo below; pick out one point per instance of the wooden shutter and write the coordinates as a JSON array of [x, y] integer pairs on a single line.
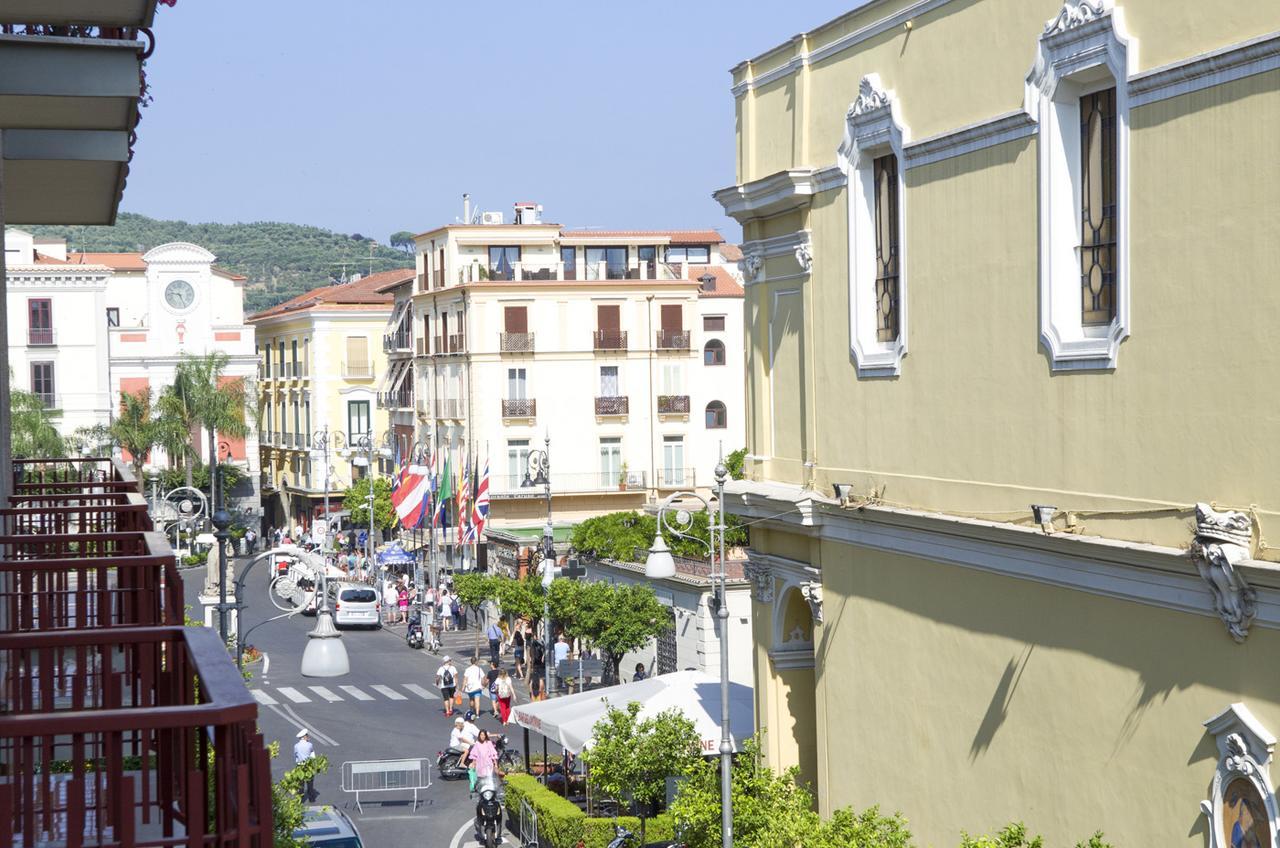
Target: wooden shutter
[[672, 317], [608, 317], [440, 272], [516, 319], [357, 350]]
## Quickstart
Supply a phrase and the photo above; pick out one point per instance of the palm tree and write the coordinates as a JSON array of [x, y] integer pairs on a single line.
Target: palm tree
[[134, 430], [217, 404], [180, 425], [32, 434]]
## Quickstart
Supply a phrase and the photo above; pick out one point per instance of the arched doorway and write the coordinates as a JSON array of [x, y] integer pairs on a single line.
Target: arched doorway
[[792, 696]]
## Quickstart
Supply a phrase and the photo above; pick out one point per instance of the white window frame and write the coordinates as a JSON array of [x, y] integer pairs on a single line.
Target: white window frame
[[873, 128], [1086, 39]]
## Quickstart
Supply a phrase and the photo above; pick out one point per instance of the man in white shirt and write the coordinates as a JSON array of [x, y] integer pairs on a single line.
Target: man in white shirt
[[390, 600], [473, 684], [447, 683], [303, 750], [463, 735], [562, 650]]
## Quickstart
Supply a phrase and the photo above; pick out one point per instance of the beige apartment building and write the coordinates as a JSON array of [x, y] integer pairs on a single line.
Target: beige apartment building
[[1010, 306]]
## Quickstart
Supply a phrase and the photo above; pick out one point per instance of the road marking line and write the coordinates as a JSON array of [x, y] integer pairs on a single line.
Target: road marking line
[[388, 691], [420, 692], [464, 831], [292, 717], [325, 693], [266, 663], [263, 698], [293, 695], [358, 694]]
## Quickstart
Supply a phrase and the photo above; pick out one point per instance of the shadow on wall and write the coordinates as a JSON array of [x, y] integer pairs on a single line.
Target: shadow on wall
[[998, 709]]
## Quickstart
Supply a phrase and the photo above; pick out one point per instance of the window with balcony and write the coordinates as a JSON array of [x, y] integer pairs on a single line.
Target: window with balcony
[[306, 355], [358, 419], [42, 383], [358, 365], [611, 462], [517, 384], [713, 353], [284, 366], [694, 254], [673, 460], [672, 336], [609, 334], [713, 324], [39, 321], [569, 257], [516, 337], [717, 416], [113, 316], [502, 261], [297, 372], [266, 353], [648, 258], [607, 263]]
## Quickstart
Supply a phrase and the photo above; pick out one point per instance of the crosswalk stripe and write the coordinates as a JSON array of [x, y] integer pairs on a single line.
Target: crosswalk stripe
[[293, 695], [263, 698], [385, 690], [420, 692], [358, 694], [325, 693]]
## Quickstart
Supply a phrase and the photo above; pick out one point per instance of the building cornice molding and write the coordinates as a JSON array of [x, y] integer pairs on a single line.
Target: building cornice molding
[[1154, 575], [1010, 126], [1206, 70]]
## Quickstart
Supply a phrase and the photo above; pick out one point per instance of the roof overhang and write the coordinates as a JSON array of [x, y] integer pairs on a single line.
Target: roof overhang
[[120, 13], [67, 108], [605, 241]]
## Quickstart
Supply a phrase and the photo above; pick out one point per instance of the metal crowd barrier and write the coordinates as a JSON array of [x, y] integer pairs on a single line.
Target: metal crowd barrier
[[386, 776]]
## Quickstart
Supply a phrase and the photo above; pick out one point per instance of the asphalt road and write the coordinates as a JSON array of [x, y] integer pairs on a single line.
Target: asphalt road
[[386, 708]]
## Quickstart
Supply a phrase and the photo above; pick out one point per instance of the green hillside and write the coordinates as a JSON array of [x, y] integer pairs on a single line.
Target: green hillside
[[280, 260]]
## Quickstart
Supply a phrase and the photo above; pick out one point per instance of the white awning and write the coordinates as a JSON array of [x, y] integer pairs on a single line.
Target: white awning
[[569, 720]]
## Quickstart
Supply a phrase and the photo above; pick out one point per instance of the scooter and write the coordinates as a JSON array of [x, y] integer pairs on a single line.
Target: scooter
[[413, 632], [489, 813], [449, 765]]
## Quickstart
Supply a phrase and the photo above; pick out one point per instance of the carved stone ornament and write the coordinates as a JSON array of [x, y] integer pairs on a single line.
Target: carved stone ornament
[[813, 594], [1241, 805], [1221, 543], [761, 577], [751, 266], [804, 255], [870, 96], [1073, 14]]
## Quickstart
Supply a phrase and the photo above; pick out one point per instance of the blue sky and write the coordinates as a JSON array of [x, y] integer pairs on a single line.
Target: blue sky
[[373, 116]]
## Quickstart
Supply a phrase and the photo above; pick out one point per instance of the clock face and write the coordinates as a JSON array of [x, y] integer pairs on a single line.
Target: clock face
[[179, 294]]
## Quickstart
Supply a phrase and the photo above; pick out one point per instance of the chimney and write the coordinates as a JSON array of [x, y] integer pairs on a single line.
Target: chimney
[[466, 208]]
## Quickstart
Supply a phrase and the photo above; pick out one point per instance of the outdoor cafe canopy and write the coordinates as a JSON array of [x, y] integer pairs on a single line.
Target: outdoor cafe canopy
[[569, 720]]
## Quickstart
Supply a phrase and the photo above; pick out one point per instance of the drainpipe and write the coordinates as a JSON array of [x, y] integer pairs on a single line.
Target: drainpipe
[[653, 403]]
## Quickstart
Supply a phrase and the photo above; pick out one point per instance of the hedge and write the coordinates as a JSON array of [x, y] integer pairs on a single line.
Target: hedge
[[562, 825]]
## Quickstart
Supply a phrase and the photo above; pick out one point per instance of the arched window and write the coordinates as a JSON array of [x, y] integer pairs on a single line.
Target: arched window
[[713, 353], [717, 417]]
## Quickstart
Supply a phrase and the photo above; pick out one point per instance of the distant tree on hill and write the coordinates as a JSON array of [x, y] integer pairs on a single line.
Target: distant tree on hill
[[403, 240]]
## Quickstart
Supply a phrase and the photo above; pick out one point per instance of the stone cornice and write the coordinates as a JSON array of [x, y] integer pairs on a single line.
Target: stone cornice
[[1255, 56]]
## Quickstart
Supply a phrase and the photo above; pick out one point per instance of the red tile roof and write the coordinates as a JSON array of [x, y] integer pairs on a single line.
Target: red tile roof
[[675, 236], [731, 252], [223, 272], [726, 285], [115, 261], [364, 293]]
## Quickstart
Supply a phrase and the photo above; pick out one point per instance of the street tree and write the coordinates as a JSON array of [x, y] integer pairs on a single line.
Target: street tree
[[217, 403], [32, 434], [520, 598], [630, 757], [628, 618], [356, 501], [771, 808], [134, 430]]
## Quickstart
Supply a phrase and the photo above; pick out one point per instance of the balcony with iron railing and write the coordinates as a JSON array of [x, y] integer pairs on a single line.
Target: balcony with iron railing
[[513, 487], [420, 347], [120, 727], [41, 337], [515, 342], [519, 408], [673, 340], [676, 478], [357, 369], [454, 343], [400, 341], [400, 399], [612, 405], [543, 270], [610, 340], [673, 404]]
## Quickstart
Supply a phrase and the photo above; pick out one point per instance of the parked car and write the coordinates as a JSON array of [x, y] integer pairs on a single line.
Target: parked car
[[326, 827], [355, 604]]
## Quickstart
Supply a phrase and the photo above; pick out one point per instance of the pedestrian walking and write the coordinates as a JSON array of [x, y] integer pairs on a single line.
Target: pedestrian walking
[[491, 679], [402, 601], [494, 633], [536, 689], [303, 750], [447, 683], [505, 689], [473, 684], [390, 600], [446, 610], [517, 650], [562, 650], [455, 607]]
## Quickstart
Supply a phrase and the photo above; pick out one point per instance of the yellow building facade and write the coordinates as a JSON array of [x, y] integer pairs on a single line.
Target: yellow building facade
[[999, 254], [320, 359]]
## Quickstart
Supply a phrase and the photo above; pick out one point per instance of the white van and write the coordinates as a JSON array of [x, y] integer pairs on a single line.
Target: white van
[[355, 604]]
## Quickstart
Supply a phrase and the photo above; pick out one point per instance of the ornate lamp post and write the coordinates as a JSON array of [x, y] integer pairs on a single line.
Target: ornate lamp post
[[660, 564], [369, 444], [325, 440]]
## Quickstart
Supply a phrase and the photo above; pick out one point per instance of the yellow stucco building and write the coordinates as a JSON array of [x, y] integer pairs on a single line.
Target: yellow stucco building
[[1005, 253], [320, 359]]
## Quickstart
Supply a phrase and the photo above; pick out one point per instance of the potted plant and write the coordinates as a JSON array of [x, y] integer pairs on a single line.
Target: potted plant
[[622, 478]]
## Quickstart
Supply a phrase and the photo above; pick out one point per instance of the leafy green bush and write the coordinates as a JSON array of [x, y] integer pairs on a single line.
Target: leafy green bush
[[1016, 835], [625, 536], [562, 825]]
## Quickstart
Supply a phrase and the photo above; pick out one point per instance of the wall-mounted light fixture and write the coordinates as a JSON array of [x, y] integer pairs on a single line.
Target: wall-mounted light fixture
[[1043, 515]]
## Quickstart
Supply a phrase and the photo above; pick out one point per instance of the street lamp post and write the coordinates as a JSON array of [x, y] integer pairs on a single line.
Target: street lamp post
[[325, 441], [660, 564], [539, 473], [369, 444]]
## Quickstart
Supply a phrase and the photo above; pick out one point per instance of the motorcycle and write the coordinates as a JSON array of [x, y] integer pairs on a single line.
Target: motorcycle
[[449, 766], [413, 632], [624, 838], [489, 813]]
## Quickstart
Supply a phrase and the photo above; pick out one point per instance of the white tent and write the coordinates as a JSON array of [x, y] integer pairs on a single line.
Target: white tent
[[569, 720]]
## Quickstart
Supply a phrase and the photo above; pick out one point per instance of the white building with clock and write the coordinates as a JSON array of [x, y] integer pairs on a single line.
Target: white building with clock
[[84, 327]]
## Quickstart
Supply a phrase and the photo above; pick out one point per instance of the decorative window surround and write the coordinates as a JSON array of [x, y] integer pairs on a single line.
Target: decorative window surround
[[772, 195], [1148, 574], [789, 245], [1079, 49], [1245, 750], [873, 127]]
